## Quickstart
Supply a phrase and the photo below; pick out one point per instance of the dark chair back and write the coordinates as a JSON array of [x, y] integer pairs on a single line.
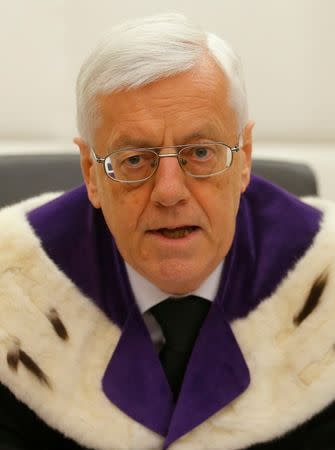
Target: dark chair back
[[23, 176]]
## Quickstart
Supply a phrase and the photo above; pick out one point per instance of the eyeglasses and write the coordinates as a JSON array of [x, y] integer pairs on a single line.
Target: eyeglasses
[[196, 160]]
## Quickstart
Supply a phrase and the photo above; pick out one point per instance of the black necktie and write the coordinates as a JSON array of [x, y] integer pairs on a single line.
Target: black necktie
[[180, 320]]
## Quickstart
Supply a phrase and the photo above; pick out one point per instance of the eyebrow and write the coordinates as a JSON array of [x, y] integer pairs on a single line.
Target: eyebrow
[[129, 141], [207, 132]]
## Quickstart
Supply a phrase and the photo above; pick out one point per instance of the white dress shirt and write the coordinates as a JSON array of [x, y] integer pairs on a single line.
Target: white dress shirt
[[148, 295]]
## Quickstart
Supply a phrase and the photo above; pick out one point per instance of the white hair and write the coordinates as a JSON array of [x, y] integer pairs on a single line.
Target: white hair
[[144, 50]]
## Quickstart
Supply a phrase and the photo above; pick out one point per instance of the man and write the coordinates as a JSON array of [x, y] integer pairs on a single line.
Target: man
[[100, 287]]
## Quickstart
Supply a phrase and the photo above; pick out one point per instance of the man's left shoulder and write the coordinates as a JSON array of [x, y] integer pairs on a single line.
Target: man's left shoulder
[[288, 340], [288, 344]]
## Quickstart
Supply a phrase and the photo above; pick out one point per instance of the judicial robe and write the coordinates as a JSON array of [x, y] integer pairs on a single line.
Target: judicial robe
[[77, 365]]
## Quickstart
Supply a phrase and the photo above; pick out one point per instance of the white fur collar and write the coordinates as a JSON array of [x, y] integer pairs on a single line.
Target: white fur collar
[[292, 367]]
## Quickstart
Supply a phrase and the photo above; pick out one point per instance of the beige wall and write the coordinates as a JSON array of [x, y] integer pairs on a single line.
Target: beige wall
[[287, 47]]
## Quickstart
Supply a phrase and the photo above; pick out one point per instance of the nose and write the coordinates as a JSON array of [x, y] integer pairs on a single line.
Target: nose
[[169, 187]]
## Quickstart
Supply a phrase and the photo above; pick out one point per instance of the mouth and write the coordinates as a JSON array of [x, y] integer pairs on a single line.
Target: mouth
[[176, 233]]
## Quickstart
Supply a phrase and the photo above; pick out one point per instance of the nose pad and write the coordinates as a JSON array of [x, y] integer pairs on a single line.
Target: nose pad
[[182, 161]]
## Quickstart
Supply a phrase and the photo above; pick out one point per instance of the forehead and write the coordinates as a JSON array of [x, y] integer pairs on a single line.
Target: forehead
[[191, 104]]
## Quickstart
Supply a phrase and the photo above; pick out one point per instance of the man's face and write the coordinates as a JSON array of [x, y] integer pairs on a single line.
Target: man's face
[[187, 108]]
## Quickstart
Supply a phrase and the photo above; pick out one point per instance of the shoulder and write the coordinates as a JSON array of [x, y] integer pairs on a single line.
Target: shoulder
[[48, 330], [288, 344]]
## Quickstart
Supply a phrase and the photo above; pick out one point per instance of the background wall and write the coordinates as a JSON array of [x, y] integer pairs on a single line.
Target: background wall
[[287, 48]]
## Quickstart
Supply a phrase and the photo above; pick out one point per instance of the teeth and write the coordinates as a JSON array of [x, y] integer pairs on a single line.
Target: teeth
[[176, 233]]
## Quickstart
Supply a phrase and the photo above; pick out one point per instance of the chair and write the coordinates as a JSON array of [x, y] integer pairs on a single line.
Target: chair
[[23, 176]]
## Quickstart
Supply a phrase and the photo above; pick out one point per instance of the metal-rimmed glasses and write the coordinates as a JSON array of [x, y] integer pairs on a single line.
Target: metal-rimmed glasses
[[138, 165]]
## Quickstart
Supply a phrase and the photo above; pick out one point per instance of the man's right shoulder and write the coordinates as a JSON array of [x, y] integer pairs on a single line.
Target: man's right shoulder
[[48, 327]]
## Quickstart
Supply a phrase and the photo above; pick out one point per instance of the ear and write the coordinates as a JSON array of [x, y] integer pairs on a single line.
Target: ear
[[89, 172], [246, 148]]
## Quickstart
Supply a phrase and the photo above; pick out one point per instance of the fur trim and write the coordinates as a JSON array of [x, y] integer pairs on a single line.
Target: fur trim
[[292, 362], [292, 366], [34, 295]]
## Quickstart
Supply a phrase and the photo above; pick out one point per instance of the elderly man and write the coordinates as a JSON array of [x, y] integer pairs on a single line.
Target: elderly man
[[171, 302]]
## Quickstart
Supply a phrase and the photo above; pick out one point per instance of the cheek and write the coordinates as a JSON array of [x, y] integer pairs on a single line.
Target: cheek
[[122, 207], [228, 195], [222, 209]]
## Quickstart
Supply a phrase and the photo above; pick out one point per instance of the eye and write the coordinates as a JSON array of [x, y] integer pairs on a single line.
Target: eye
[[133, 160], [128, 160], [201, 152]]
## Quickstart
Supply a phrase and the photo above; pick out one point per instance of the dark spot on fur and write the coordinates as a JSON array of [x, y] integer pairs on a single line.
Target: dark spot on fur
[[13, 359], [57, 324], [30, 365], [312, 299]]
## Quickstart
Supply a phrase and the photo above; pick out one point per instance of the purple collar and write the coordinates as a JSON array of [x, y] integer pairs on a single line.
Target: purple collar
[[265, 248]]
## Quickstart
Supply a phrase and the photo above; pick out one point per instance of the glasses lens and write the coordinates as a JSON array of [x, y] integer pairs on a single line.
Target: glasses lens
[[131, 165], [205, 159]]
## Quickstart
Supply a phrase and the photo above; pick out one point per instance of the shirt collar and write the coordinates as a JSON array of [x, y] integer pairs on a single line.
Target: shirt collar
[[148, 295]]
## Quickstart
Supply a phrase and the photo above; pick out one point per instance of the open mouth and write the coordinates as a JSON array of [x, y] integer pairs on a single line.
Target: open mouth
[[176, 233]]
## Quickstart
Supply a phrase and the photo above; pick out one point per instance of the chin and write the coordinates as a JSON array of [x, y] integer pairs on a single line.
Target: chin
[[175, 277]]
